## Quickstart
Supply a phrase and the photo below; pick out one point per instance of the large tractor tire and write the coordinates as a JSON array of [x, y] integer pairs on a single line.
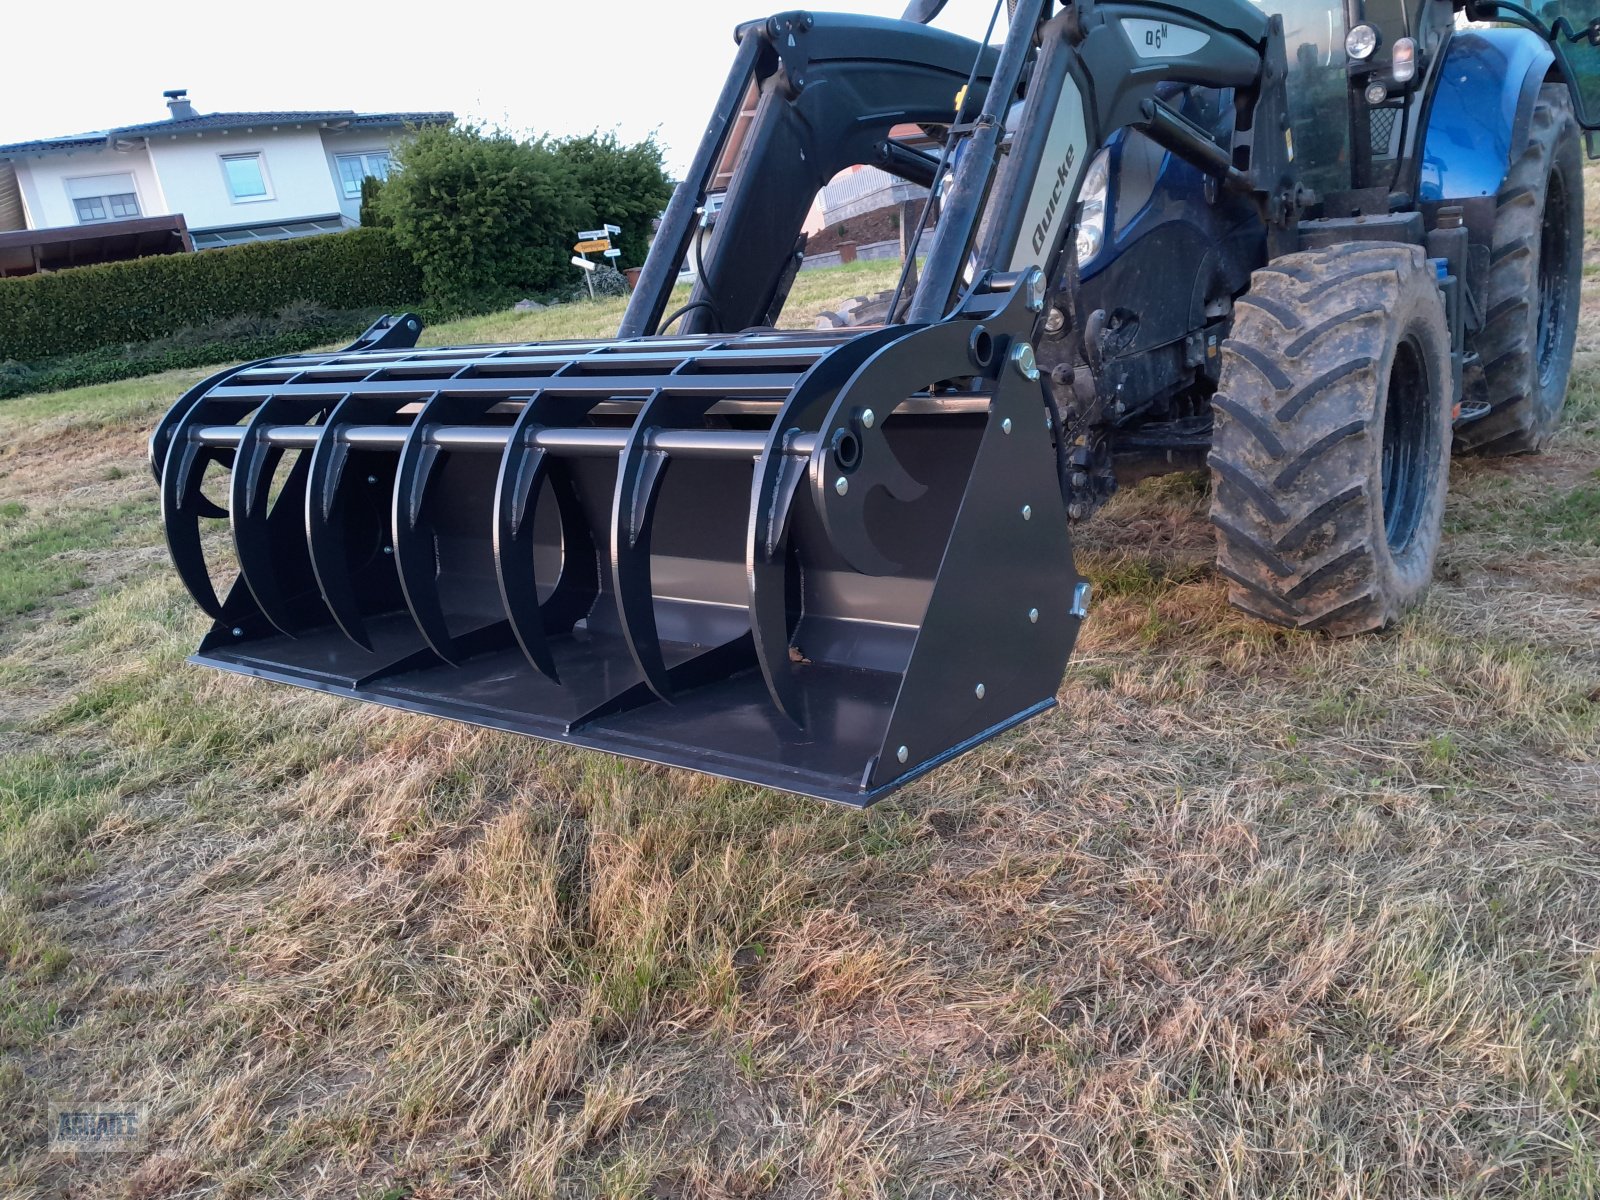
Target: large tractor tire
[[1331, 451], [1535, 284], [859, 311]]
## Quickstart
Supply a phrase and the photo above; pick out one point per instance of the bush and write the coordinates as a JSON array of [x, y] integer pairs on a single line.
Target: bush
[[71, 312], [491, 217], [482, 213], [369, 216], [622, 185], [608, 281]]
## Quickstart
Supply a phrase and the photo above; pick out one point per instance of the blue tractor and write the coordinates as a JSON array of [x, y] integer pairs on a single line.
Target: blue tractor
[[1184, 336], [1308, 245]]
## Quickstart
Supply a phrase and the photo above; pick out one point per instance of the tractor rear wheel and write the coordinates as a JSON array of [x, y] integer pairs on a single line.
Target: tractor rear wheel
[[859, 311], [1535, 281], [1331, 451]]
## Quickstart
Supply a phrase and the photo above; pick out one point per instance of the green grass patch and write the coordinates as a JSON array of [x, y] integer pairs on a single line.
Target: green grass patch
[[43, 559], [154, 713], [24, 1017], [89, 409], [1573, 518], [1493, 506], [1136, 578], [50, 801]]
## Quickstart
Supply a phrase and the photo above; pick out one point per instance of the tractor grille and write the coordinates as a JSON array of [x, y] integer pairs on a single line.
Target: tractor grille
[[1384, 121]]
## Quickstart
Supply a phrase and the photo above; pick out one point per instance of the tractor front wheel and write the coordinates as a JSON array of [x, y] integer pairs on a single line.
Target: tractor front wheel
[[1331, 451]]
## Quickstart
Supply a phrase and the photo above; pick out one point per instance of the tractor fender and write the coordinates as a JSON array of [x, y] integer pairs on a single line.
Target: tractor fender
[[1480, 112]]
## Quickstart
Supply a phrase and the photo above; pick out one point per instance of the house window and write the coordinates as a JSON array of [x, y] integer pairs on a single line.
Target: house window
[[247, 177], [103, 198], [354, 168], [106, 208]]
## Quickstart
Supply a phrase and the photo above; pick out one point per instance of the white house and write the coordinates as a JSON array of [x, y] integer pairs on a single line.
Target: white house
[[200, 179]]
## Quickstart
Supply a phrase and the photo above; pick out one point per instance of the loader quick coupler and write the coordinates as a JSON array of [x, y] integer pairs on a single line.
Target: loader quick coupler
[[820, 561]]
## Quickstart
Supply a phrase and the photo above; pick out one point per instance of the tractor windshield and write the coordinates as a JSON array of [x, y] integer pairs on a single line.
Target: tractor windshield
[[1573, 29], [1319, 85]]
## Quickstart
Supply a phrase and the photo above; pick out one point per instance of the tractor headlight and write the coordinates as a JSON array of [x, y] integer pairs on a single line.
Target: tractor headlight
[[1361, 42], [1092, 208]]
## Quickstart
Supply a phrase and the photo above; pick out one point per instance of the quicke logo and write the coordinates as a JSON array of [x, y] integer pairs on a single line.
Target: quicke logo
[[1041, 232]]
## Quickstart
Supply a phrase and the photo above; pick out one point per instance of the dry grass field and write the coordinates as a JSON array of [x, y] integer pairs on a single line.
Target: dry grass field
[[1254, 914]]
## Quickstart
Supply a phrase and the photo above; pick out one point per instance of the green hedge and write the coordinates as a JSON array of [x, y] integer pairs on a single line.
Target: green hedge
[[83, 309], [236, 339]]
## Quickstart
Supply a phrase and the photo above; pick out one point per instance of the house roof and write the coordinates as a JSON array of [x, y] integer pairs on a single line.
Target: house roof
[[24, 251], [215, 122]]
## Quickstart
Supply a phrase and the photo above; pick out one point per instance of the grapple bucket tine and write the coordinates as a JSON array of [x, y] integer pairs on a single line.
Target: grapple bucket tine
[[161, 436], [639, 478], [523, 471], [255, 469], [771, 605], [414, 554], [640, 474], [326, 534], [522, 474], [578, 585], [778, 475], [181, 501]]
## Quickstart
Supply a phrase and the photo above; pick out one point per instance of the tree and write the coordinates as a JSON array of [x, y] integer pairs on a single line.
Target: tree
[[369, 214], [624, 185], [483, 213]]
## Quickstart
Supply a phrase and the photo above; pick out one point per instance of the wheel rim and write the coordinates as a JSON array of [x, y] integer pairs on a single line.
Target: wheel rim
[[1554, 269], [1405, 445]]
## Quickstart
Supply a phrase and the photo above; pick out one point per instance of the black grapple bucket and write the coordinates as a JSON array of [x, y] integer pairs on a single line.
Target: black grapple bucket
[[822, 562]]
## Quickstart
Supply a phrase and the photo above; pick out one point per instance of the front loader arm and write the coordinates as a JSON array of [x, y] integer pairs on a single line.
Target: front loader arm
[[826, 91], [1098, 68]]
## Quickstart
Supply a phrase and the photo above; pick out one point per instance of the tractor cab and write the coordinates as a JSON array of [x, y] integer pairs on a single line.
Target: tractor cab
[[1380, 70]]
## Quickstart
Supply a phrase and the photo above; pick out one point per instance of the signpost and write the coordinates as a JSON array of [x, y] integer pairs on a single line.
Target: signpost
[[594, 241]]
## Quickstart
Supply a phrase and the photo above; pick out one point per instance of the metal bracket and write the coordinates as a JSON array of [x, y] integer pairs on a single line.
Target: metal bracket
[[786, 34], [390, 332]]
